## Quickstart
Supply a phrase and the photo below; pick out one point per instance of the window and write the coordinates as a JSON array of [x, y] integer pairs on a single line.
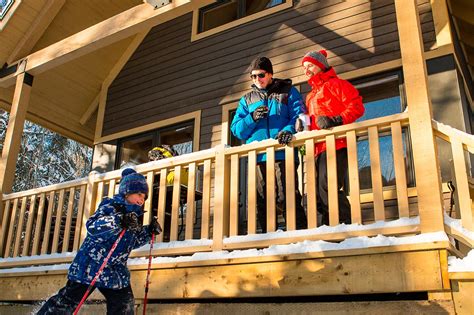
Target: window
[[134, 150], [225, 14], [382, 96], [4, 6]]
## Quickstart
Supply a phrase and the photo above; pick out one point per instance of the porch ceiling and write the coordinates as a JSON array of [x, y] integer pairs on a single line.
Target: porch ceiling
[[463, 18], [60, 97]]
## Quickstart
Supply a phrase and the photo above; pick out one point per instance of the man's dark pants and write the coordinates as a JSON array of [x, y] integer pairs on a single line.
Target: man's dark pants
[[322, 181], [280, 187]]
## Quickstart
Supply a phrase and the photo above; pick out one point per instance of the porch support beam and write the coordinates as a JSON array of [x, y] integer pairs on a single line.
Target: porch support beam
[[420, 115], [11, 146]]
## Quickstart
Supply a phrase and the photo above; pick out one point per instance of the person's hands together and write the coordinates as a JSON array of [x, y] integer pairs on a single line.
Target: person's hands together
[[284, 137], [260, 112], [155, 227], [130, 222], [326, 122]]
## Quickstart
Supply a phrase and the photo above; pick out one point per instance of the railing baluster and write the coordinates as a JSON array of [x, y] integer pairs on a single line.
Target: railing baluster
[[252, 193], [162, 203], [38, 226], [353, 166], [175, 205], [150, 177], [29, 226], [234, 195], [400, 171], [290, 175], [11, 228], [270, 184], [333, 201], [100, 194], [80, 211], [311, 200], [206, 199], [57, 226], [190, 201], [377, 187], [19, 228], [460, 171], [6, 226], [111, 191], [67, 228], [47, 229]]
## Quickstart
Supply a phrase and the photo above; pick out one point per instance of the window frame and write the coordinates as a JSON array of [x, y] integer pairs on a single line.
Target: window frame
[[10, 8], [196, 35], [155, 135]]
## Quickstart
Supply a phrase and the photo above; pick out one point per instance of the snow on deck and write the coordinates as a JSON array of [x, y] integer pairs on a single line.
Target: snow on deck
[[461, 265], [296, 248], [455, 224]]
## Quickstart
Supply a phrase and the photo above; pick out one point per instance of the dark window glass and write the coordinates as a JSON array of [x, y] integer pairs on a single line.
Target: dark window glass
[[134, 150], [382, 97], [225, 11]]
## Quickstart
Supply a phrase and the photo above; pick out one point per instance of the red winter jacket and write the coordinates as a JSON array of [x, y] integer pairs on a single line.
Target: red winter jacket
[[332, 96]]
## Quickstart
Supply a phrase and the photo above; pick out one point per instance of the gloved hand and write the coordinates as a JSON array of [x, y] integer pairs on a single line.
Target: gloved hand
[[130, 222], [260, 112], [325, 122], [284, 137], [155, 227]]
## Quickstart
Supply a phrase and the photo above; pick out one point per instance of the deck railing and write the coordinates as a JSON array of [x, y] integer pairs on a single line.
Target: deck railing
[[462, 146], [206, 210]]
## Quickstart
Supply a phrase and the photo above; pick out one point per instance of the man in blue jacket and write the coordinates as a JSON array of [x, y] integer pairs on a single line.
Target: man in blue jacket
[[270, 111]]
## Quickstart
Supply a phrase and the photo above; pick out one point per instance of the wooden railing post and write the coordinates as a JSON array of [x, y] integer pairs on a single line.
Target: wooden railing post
[[427, 174], [221, 199], [89, 204]]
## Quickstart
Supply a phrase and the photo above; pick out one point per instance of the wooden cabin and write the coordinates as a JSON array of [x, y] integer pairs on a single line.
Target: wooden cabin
[[124, 76]]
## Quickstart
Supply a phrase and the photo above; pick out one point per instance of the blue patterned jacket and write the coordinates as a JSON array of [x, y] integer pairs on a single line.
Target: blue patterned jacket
[[103, 228]]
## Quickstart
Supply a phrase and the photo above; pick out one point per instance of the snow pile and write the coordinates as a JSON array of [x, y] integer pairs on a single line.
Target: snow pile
[[303, 247], [456, 225], [176, 244], [461, 265], [322, 230]]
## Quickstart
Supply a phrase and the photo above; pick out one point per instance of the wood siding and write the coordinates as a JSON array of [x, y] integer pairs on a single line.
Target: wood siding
[[169, 75]]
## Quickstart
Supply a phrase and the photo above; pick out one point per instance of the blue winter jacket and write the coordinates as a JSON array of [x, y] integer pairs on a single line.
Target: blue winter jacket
[[284, 103], [103, 228]]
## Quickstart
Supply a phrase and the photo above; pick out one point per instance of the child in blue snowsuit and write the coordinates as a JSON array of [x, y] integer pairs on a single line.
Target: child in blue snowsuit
[[103, 228]]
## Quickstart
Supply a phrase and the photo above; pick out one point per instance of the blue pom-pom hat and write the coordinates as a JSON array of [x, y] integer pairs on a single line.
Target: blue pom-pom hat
[[132, 182]]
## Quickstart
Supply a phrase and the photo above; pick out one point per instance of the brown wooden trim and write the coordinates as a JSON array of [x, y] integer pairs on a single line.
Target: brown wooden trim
[[439, 9], [196, 36], [9, 14], [196, 116]]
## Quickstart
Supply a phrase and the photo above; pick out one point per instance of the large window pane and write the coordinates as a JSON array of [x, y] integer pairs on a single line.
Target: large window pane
[[225, 11]]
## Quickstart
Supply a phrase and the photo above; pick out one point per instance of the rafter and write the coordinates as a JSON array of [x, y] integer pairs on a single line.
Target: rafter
[[36, 30]]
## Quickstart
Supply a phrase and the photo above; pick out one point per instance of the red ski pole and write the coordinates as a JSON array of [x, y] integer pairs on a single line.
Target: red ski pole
[[100, 271], [147, 283]]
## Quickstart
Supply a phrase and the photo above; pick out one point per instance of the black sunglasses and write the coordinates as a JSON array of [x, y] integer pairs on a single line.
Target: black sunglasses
[[260, 75]]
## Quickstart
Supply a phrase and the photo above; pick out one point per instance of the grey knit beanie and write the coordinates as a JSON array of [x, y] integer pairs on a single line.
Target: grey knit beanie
[[318, 58]]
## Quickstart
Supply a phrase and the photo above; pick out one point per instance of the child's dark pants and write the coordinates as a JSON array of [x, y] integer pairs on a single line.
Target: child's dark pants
[[119, 301]]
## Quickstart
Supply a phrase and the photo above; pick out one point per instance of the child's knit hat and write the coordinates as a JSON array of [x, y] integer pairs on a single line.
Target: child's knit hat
[[132, 182], [318, 58]]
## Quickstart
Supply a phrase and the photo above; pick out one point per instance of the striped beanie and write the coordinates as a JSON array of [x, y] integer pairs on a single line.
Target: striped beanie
[[318, 58], [132, 182]]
